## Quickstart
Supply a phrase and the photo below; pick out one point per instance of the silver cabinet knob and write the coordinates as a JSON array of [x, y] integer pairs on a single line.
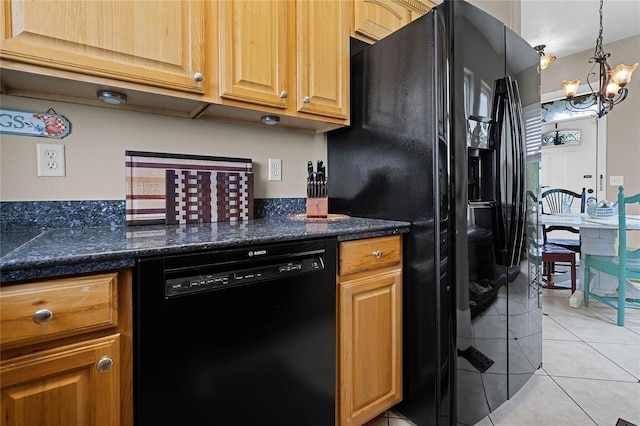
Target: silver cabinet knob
[[198, 77], [377, 254], [284, 94], [306, 100], [42, 316], [104, 364]]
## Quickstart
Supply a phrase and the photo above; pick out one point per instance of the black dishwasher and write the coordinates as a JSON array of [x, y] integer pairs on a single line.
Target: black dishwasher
[[245, 336]]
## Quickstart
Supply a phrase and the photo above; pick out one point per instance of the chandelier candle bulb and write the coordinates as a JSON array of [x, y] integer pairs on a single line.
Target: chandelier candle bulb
[[622, 73], [545, 60], [612, 89], [570, 87]]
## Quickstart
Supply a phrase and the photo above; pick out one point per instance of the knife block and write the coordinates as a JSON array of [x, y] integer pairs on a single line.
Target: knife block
[[317, 206]]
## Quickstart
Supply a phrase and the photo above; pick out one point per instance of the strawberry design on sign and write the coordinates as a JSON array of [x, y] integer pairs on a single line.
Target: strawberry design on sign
[[53, 125]]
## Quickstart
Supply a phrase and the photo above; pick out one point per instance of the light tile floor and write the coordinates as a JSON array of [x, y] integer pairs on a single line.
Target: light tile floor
[[590, 374]]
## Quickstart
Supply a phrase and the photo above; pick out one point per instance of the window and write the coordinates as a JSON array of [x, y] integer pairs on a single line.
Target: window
[[561, 137], [559, 108]]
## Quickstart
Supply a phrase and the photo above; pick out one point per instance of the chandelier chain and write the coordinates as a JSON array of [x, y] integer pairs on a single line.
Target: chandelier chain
[[599, 52]]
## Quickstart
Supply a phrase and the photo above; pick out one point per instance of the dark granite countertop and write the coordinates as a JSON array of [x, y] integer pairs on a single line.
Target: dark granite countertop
[[63, 251]]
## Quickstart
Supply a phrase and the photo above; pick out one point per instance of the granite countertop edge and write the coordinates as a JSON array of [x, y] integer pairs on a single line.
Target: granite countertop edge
[[67, 251]]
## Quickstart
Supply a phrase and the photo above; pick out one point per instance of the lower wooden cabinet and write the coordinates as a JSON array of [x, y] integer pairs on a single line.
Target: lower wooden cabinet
[[370, 329], [74, 385], [66, 354]]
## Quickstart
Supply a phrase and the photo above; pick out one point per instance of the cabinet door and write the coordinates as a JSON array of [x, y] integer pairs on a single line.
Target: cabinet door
[[253, 45], [63, 387], [376, 19], [158, 43], [322, 35], [370, 365]]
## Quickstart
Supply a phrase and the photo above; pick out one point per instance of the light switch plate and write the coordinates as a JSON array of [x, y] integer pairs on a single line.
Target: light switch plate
[[616, 180]]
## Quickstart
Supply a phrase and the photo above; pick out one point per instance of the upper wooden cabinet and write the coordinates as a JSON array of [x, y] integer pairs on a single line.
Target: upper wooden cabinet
[[373, 20], [231, 60], [254, 51], [156, 43], [322, 36], [284, 57]]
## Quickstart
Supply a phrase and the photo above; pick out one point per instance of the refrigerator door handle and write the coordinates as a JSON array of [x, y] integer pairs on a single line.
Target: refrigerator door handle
[[496, 143], [514, 153], [509, 208], [518, 214]]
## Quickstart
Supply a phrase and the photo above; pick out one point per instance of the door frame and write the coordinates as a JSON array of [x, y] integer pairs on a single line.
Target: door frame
[[601, 139]]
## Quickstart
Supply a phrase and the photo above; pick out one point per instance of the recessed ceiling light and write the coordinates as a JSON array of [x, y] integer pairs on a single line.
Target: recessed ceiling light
[[111, 97]]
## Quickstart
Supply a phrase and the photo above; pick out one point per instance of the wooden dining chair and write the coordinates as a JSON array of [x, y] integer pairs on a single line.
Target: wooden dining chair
[[549, 255], [552, 254], [624, 266], [554, 201]]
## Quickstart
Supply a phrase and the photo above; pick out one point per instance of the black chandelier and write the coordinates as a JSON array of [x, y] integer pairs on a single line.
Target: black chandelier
[[611, 84]]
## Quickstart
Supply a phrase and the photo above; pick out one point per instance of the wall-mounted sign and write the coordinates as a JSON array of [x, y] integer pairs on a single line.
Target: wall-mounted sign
[[24, 123]]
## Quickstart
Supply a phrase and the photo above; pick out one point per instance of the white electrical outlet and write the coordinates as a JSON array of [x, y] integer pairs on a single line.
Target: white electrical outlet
[[51, 159], [275, 169], [616, 180]]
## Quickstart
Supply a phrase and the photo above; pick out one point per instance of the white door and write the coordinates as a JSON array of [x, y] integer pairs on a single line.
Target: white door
[[570, 165]]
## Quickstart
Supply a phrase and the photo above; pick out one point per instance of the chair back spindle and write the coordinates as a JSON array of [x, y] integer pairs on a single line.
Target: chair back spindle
[[624, 266]]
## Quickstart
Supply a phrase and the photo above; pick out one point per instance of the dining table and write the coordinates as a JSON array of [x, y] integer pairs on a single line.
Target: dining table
[[597, 237]]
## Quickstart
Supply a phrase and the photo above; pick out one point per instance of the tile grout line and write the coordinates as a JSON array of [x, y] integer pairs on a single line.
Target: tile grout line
[[553, 378], [612, 361], [574, 401]]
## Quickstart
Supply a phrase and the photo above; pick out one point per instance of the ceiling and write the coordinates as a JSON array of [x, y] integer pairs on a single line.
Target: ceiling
[[571, 26]]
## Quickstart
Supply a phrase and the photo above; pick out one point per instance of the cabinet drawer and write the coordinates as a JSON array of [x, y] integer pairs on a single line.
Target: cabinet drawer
[[370, 253], [50, 309]]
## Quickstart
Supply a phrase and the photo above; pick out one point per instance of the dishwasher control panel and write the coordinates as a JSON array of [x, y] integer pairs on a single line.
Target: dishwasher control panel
[[219, 280]]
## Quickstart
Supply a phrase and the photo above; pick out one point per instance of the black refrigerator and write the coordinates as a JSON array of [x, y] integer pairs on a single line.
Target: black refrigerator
[[445, 134]]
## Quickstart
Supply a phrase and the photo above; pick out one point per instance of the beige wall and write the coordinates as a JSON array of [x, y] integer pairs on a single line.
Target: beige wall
[[100, 136], [623, 122]]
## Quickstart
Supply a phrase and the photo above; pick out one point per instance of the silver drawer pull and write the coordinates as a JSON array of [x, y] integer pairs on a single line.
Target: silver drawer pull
[[42, 316], [377, 254], [104, 364]]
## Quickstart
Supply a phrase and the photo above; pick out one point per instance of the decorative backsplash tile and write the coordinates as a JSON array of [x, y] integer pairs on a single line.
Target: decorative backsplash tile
[[174, 188]]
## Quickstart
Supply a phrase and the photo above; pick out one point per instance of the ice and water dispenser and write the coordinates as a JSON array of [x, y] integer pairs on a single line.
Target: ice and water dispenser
[[481, 158]]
